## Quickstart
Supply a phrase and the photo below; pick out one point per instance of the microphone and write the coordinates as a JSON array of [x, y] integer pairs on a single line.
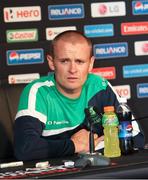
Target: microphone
[[93, 115], [93, 118], [92, 158]]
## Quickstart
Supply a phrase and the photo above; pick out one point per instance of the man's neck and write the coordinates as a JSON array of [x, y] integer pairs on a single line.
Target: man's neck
[[72, 94]]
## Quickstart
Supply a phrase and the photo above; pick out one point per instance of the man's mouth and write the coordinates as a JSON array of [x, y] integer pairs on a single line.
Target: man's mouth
[[72, 78]]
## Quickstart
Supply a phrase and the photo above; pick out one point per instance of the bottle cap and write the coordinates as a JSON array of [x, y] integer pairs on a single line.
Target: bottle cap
[[109, 119], [109, 108], [123, 100]]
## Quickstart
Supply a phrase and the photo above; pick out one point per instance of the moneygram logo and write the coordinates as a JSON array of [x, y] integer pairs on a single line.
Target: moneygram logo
[[123, 91], [25, 56], [140, 7], [51, 33], [99, 30], [141, 48], [142, 90], [21, 35], [108, 9], [110, 50], [140, 70], [21, 14], [105, 72], [67, 11], [132, 28]]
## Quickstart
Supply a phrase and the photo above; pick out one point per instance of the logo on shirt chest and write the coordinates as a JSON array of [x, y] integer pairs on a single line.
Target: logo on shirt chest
[[57, 122]]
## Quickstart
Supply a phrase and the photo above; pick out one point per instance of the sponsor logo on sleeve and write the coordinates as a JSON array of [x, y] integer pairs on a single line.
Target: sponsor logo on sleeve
[[105, 72], [65, 11], [132, 28], [21, 35], [132, 71], [141, 48], [99, 30], [142, 90], [110, 50], [25, 56], [108, 9], [52, 32], [123, 91], [22, 78], [140, 7], [22, 14]]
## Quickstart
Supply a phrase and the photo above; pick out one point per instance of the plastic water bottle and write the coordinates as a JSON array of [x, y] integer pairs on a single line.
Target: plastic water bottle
[[111, 139], [124, 114]]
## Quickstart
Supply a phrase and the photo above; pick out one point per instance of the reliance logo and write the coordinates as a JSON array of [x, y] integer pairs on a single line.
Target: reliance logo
[[110, 50], [142, 90], [140, 7], [21, 14], [67, 11]]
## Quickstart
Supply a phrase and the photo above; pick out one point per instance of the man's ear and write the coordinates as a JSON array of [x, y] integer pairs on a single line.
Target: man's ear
[[91, 63], [50, 62]]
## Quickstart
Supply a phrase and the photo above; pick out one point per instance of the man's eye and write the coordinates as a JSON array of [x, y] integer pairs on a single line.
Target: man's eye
[[64, 61], [79, 61]]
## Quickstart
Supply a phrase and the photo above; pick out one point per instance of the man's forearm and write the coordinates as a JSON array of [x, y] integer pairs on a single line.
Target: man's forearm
[[29, 143]]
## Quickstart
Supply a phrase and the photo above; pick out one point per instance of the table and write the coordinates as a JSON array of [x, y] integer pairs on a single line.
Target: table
[[129, 166]]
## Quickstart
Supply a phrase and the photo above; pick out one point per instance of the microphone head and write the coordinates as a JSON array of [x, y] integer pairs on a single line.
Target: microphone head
[[86, 110], [93, 114]]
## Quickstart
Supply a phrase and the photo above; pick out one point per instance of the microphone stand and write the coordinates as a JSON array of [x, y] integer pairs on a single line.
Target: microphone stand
[[92, 158]]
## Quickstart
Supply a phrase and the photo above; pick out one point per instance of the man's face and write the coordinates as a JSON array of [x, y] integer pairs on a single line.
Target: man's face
[[71, 64]]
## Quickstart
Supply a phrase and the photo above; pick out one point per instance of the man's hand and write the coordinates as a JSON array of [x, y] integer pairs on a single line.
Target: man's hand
[[81, 140]]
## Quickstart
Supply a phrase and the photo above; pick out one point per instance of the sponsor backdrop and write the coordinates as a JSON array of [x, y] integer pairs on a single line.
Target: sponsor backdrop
[[118, 30]]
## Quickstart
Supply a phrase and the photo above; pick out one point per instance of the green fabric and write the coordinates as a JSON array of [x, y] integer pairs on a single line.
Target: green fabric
[[42, 100]]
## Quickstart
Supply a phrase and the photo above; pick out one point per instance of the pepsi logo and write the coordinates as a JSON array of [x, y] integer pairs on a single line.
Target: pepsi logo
[[129, 128]]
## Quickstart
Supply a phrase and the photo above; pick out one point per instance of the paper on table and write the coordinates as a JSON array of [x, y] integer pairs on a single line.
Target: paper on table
[[100, 145]]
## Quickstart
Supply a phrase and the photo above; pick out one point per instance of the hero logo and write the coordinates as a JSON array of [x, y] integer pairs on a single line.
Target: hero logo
[[67, 11], [140, 7], [20, 14], [108, 9], [123, 91], [141, 48], [110, 50]]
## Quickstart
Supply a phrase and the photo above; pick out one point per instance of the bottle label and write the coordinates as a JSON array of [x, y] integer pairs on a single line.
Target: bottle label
[[125, 129], [111, 120]]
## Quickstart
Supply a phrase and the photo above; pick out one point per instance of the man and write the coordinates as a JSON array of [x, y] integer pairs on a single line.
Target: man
[[50, 118]]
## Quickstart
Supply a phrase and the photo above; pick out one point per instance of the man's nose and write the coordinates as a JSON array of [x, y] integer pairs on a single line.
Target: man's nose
[[73, 67]]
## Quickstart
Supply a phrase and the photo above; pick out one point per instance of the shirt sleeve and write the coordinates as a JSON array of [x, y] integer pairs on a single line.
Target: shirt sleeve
[[29, 143]]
